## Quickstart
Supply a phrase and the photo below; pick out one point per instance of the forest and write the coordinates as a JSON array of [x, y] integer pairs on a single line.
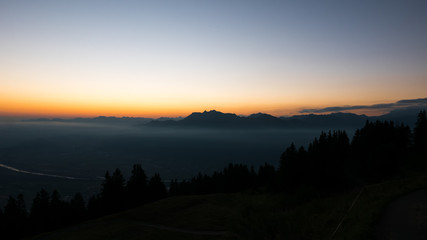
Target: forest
[[332, 163]]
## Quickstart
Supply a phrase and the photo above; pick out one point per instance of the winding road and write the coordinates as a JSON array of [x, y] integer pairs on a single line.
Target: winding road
[[405, 218], [40, 174]]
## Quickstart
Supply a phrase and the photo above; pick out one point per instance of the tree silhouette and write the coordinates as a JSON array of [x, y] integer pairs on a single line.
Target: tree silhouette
[[77, 208], [95, 206], [266, 177], [15, 217], [156, 188], [136, 187], [322, 166], [289, 170], [379, 148], [174, 188], [58, 211], [112, 194], [237, 177], [420, 132], [39, 216], [2, 223]]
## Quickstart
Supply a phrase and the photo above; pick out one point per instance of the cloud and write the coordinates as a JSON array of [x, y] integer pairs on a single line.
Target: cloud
[[420, 102]]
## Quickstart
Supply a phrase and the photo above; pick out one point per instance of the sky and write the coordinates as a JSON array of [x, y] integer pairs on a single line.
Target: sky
[[170, 58]]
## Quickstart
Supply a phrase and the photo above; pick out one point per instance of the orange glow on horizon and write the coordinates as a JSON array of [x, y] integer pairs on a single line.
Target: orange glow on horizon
[[33, 107], [70, 109], [42, 101]]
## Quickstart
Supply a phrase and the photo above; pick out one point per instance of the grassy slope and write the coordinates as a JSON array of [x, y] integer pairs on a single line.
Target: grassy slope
[[247, 216], [243, 216], [360, 222]]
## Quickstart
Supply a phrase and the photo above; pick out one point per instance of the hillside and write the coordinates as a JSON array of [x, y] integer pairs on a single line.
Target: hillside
[[247, 216], [218, 216]]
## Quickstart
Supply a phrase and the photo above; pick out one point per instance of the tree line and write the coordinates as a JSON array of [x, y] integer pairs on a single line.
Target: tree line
[[49, 211], [331, 163]]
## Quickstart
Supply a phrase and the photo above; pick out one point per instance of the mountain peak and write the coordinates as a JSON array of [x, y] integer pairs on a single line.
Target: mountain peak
[[210, 117], [259, 115], [212, 111]]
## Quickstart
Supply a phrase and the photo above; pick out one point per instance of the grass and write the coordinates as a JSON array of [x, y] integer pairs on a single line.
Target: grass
[[197, 213], [242, 215], [360, 222], [248, 216]]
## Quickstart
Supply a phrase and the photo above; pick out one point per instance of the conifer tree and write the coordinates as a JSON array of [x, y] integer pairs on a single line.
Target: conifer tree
[[156, 188], [136, 187], [420, 132]]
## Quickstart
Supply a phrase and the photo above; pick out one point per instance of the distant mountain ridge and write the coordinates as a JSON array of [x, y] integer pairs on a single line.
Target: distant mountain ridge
[[331, 120], [216, 119], [105, 120], [406, 115]]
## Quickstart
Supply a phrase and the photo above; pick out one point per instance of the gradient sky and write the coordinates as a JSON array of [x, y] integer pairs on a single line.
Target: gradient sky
[[170, 58]]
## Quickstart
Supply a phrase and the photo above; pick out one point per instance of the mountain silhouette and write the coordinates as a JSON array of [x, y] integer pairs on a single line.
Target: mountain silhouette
[[404, 115], [332, 120], [211, 117], [216, 119]]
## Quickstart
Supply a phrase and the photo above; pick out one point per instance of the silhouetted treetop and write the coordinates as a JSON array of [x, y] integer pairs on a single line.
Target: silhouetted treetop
[[420, 132], [156, 188], [136, 188]]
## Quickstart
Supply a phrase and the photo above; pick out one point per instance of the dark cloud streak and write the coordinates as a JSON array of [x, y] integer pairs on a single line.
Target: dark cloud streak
[[383, 106]]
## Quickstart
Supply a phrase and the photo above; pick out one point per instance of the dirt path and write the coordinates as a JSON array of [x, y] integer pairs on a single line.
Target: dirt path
[[405, 218], [173, 229], [58, 234]]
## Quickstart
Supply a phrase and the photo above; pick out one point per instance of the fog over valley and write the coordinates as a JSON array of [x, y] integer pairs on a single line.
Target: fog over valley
[[72, 155], [87, 150]]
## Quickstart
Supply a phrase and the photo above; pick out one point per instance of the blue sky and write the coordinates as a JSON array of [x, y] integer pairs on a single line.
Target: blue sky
[[174, 57]]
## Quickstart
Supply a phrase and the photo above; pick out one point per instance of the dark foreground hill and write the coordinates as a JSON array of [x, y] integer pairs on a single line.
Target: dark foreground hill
[[248, 216]]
